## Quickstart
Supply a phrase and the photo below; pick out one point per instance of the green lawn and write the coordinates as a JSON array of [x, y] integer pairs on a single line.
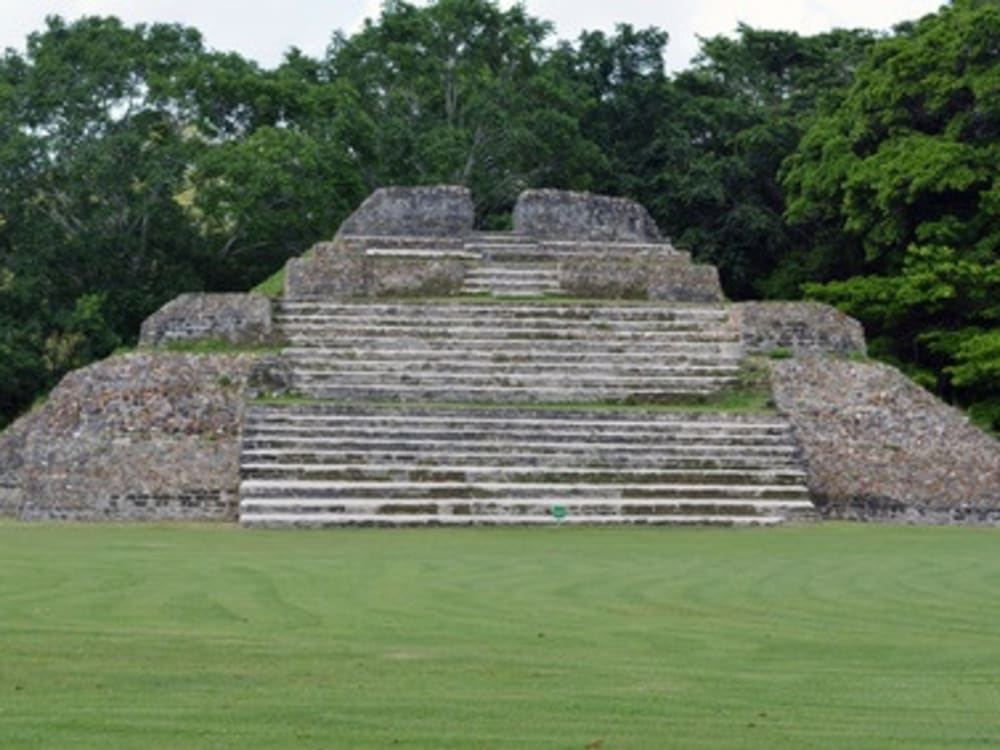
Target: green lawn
[[826, 636]]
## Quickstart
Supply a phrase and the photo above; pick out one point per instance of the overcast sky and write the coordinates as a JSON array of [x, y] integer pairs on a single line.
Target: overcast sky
[[264, 29]]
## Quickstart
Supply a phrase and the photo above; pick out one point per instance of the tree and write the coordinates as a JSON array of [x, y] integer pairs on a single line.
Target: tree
[[902, 177], [459, 92], [740, 112]]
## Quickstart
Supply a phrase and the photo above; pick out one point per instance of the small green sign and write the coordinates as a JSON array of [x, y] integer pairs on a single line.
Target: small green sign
[[559, 512]]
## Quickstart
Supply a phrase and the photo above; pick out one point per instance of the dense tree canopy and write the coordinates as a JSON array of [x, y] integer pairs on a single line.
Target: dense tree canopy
[[902, 179], [135, 164]]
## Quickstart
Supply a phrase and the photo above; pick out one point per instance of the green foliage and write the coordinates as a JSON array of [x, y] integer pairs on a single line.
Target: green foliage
[[262, 199], [910, 155], [219, 346], [135, 165], [460, 91], [902, 179], [706, 156], [273, 286]]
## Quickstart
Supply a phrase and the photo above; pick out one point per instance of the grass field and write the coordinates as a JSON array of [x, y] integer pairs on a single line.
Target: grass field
[[826, 636]]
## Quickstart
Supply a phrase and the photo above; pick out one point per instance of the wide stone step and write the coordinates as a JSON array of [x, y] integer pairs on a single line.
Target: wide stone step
[[499, 444], [532, 507], [417, 345], [323, 520], [330, 489], [689, 356], [413, 253], [537, 394], [513, 289], [299, 449], [623, 459], [498, 421], [542, 312], [484, 333], [521, 416], [439, 451], [626, 371], [307, 466], [524, 270], [688, 483], [513, 433], [497, 326], [503, 377], [603, 247]]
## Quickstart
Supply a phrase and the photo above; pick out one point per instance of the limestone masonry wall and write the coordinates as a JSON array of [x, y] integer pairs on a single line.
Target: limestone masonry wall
[[235, 318], [143, 436], [441, 210], [351, 268], [880, 447], [797, 327], [584, 216], [332, 269], [644, 276]]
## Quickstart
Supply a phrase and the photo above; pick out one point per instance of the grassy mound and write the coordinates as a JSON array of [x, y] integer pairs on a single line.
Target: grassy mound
[[816, 636]]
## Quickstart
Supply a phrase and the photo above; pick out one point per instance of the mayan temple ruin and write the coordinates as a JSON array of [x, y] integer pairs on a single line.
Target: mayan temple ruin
[[577, 369]]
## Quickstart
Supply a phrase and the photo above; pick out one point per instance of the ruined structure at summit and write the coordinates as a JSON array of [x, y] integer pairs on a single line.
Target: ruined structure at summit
[[577, 369]]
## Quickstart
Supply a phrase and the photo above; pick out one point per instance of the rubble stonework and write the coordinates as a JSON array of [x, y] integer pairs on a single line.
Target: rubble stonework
[[582, 216], [142, 436], [796, 327], [437, 210], [880, 447], [243, 319]]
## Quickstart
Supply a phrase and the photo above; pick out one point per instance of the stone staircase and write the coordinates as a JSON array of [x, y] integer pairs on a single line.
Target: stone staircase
[[510, 265], [472, 413], [507, 264], [481, 410], [508, 353], [336, 464]]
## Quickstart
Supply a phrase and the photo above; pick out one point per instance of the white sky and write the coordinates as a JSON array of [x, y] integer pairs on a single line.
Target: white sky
[[264, 29]]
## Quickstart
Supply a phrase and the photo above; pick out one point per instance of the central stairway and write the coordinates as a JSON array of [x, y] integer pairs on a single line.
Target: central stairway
[[530, 395], [512, 413], [508, 353], [336, 464]]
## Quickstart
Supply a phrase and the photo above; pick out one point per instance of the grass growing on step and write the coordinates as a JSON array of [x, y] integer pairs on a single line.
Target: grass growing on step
[[218, 346], [273, 286], [734, 401], [489, 299], [862, 637]]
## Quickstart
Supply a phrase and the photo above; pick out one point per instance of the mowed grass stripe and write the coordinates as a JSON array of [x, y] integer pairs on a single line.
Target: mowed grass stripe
[[819, 636]]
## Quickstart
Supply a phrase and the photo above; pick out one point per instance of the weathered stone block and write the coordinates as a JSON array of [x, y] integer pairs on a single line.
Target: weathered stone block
[[332, 269], [401, 277], [236, 318], [568, 215], [443, 210], [798, 327], [648, 276]]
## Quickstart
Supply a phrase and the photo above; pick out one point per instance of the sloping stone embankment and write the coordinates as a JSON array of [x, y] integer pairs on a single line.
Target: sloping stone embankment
[[882, 448], [144, 436]]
